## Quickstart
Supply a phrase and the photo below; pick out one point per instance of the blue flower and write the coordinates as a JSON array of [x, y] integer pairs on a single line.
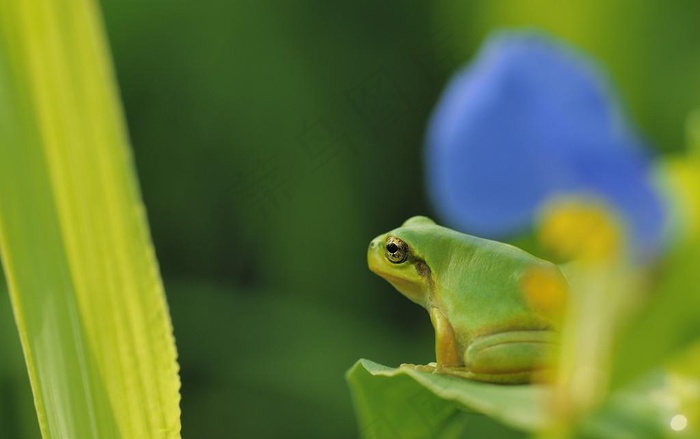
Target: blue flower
[[530, 119]]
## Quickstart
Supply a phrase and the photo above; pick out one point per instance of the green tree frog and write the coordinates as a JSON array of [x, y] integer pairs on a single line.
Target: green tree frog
[[493, 306]]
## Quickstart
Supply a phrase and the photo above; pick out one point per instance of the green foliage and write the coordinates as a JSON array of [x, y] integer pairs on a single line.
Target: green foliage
[[82, 276], [405, 403], [671, 318], [17, 414]]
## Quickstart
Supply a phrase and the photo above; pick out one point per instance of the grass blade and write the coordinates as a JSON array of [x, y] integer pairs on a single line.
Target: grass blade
[[84, 283]]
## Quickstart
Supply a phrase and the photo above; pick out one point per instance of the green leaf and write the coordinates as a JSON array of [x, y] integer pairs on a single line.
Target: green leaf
[[669, 322], [84, 283], [17, 415], [405, 403], [641, 411]]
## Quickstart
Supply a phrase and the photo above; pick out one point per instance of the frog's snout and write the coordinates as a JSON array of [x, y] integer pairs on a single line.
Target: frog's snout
[[373, 253]]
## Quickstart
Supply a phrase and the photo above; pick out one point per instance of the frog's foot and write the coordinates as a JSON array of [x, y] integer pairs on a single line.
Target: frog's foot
[[430, 367], [500, 378]]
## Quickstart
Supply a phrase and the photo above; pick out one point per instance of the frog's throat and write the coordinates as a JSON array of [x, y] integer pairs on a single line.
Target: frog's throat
[[409, 289], [423, 294]]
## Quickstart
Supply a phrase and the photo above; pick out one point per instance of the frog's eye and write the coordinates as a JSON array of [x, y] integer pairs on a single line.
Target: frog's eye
[[396, 250]]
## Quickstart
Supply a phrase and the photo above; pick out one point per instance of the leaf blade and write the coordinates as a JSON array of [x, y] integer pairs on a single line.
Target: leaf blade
[[74, 237], [392, 400]]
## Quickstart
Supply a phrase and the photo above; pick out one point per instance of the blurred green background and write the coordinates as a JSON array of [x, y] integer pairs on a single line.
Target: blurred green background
[[273, 140]]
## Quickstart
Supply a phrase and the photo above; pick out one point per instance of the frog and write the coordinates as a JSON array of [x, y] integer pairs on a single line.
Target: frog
[[495, 309]]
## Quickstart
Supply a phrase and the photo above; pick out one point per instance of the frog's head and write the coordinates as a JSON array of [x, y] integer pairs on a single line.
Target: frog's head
[[398, 256]]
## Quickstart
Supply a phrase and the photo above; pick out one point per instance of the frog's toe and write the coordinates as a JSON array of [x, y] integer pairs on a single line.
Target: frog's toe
[[430, 368]]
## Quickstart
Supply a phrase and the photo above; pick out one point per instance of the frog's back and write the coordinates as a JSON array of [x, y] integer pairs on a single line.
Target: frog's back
[[483, 288]]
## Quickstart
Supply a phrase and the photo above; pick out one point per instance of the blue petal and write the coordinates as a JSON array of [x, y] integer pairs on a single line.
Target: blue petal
[[529, 119]]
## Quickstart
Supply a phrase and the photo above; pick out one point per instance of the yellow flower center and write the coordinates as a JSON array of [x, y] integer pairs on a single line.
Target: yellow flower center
[[580, 228]]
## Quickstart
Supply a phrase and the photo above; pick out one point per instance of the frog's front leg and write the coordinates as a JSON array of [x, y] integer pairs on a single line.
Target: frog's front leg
[[508, 357], [446, 353]]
